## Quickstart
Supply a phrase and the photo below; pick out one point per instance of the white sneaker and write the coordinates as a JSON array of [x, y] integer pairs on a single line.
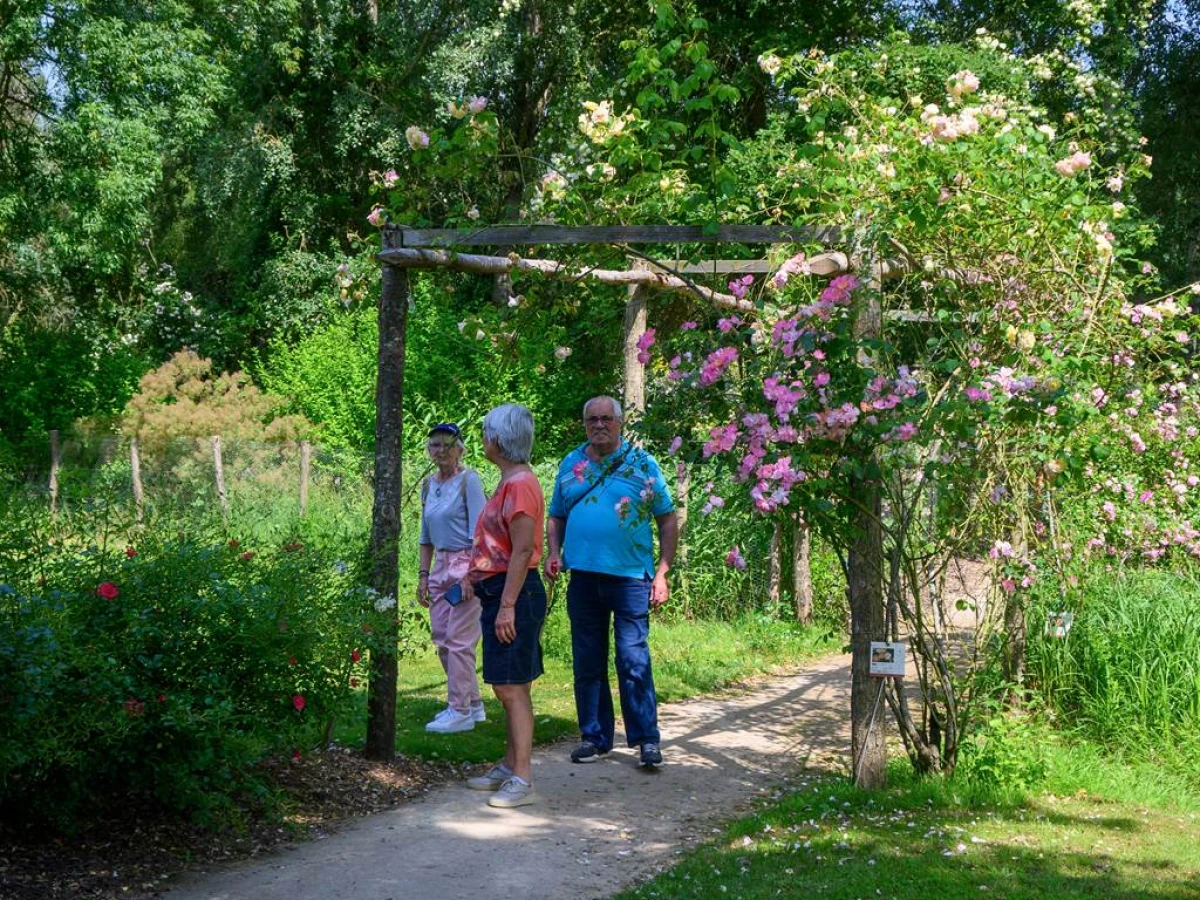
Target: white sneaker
[[513, 792], [451, 721], [478, 713], [441, 715], [492, 780]]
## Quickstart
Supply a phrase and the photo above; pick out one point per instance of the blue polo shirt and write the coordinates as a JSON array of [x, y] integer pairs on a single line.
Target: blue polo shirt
[[610, 527]]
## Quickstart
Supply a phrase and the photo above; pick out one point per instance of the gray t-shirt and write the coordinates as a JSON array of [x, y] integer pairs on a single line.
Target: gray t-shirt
[[450, 509]]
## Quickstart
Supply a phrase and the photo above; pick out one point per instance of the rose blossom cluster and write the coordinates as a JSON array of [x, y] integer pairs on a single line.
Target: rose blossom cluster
[[644, 343], [1073, 164]]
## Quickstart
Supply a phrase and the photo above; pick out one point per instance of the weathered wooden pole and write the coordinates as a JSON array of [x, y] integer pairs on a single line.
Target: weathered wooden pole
[[135, 474], [385, 516], [219, 473], [865, 583], [305, 472], [55, 465], [635, 326], [775, 569], [802, 587]]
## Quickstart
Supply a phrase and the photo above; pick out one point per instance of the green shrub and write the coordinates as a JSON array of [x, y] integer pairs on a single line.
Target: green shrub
[[1005, 756], [168, 668]]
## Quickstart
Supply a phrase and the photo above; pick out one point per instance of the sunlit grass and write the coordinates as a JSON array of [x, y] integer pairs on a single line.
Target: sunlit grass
[[922, 839]]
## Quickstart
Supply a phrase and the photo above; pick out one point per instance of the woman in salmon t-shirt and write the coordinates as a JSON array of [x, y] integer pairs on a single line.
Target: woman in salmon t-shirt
[[504, 575]]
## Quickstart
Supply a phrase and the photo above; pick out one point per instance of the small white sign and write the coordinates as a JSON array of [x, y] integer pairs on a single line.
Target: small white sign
[[887, 659], [1058, 624]]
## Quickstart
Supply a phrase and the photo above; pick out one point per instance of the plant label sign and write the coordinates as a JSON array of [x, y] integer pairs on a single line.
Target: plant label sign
[[887, 659], [1058, 624]]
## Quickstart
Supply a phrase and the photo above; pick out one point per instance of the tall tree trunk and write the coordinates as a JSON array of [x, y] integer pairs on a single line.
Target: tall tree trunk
[[802, 588], [865, 582], [683, 490], [775, 581], [385, 516], [865, 587]]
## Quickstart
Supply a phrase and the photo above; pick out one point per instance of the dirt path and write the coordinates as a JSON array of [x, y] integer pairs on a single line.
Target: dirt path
[[597, 828]]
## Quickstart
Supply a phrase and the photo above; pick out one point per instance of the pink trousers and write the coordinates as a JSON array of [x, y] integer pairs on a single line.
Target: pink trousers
[[455, 628]]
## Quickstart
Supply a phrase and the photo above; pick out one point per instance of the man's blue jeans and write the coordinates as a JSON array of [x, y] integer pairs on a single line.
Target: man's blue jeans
[[593, 600]]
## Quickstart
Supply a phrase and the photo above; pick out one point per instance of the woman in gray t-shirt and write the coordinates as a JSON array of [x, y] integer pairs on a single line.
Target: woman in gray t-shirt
[[451, 500]]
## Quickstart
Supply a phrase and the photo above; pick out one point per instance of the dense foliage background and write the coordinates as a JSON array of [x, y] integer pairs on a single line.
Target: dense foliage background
[[189, 195], [187, 175]]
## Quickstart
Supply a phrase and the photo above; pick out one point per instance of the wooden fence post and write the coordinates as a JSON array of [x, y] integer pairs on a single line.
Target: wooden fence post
[[802, 587], [135, 471], [305, 468], [775, 580], [219, 470], [55, 465]]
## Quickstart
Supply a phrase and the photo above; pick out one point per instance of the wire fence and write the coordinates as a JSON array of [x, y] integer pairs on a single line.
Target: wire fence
[[212, 473]]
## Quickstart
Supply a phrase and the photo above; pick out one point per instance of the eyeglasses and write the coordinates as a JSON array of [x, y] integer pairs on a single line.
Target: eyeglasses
[[598, 420], [438, 446]]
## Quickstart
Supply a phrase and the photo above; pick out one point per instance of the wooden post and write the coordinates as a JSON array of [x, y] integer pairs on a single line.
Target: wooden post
[[135, 472], [802, 588], [55, 465], [683, 489], [868, 714], [219, 472], [385, 516], [305, 468], [635, 327], [775, 581]]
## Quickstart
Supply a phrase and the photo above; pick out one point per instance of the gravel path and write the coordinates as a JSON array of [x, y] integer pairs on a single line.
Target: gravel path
[[597, 828]]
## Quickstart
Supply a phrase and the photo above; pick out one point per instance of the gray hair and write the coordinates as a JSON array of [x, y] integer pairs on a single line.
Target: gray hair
[[618, 413], [510, 428]]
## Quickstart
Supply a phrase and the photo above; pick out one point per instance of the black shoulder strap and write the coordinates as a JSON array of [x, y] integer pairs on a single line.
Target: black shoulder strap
[[609, 470]]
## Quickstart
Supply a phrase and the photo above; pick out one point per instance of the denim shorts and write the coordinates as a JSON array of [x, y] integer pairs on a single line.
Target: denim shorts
[[521, 661]]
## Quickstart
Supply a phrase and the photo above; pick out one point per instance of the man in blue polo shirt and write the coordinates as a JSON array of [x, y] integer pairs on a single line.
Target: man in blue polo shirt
[[605, 496]]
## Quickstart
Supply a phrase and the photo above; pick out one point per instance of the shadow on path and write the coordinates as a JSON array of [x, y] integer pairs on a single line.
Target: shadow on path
[[596, 828]]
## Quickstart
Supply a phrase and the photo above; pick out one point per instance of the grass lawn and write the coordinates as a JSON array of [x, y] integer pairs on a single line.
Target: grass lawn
[[690, 658], [1095, 829]]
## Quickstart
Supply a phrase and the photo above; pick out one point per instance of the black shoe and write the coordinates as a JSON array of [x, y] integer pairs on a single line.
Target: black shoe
[[587, 752], [650, 756]]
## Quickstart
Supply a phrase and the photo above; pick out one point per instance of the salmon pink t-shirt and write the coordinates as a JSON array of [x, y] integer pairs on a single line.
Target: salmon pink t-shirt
[[492, 550]]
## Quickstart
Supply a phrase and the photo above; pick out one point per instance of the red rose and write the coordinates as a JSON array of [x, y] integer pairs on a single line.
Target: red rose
[[107, 590], [295, 756], [247, 555], [299, 702], [355, 656], [134, 707], [233, 543], [130, 552], [162, 698], [353, 682]]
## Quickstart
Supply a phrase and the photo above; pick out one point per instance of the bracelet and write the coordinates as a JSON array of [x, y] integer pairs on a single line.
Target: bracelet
[[424, 573]]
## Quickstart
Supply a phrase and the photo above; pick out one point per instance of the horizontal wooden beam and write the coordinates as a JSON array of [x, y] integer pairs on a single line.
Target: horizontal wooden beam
[[823, 264], [412, 258], [513, 235], [663, 276]]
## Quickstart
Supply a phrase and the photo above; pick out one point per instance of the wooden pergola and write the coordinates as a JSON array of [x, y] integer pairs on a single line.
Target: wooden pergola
[[409, 248]]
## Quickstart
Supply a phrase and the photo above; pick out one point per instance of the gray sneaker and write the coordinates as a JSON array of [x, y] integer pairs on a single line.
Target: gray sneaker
[[650, 756], [514, 792], [492, 779], [587, 752], [478, 713]]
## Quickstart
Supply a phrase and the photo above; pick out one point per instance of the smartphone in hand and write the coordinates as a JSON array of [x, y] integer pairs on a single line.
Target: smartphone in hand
[[454, 596]]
